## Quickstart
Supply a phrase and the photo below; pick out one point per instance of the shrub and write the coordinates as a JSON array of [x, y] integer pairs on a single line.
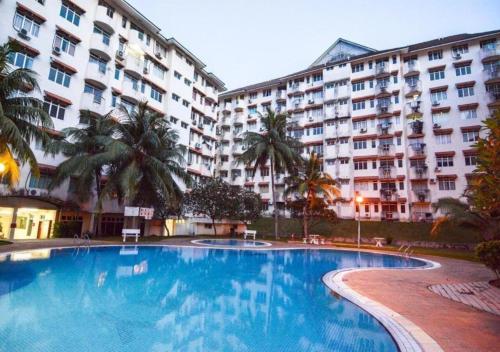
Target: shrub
[[389, 240], [67, 229], [489, 253]]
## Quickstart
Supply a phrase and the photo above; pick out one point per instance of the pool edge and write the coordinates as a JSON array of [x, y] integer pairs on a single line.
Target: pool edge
[[408, 336]]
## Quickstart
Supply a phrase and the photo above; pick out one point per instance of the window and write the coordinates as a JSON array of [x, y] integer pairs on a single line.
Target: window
[[184, 125], [264, 171], [356, 125], [463, 70], [468, 114], [59, 76], [177, 75], [470, 136], [360, 105], [41, 182], [101, 63], [96, 92], [470, 160], [124, 22], [359, 144], [117, 72], [358, 68], [317, 130], [70, 13], [252, 95], [361, 165], [460, 49], [446, 184], [439, 96], [105, 35], [64, 45], [435, 55], [185, 103], [54, 109], [318, 149], [436, 75], [187, 82], [29, 25], [21, 60], [156, 94], [465, 92], [444, 161], [175, 97], [358, 86], [266, 93], [443, 139], [317, 77]]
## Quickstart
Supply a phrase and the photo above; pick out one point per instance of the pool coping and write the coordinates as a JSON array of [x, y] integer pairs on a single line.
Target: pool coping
[[208, 245], [408, 336]]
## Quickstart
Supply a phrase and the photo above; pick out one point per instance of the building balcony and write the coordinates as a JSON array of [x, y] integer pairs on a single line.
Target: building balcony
[[411, 67], [493, 93], [384, 128], [490, 52], [296, 89], [281, 95], [101, 46], [389, 215], [226, 108], [413, 89], [384, 107], [422, 195], [98, 75], [103, 20], [417, 150], [93, 103], [389, 195], [413, 109], [134, 65], [381, 69], [419, 172], [492, 76], [338, 111], [387, 172], [130, 89], [386, 149], [239, 106], [382, 88], [298, 104], [416, 127]]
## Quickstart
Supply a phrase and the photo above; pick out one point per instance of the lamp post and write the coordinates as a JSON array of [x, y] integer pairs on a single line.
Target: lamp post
[[2, 168], [359, 200]]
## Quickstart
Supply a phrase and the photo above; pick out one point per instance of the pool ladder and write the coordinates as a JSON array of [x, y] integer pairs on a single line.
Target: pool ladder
[[81, 240], [405, 251]]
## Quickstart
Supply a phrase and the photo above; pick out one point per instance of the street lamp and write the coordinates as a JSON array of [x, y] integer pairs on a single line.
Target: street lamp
[[359, 200], [2, 168]]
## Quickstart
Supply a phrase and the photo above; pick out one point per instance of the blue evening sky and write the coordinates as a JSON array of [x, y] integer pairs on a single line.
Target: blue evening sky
[[246, 42]]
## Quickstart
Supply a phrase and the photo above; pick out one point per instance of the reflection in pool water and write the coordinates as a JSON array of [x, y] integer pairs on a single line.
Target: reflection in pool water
[[185, 299], [232, 243]]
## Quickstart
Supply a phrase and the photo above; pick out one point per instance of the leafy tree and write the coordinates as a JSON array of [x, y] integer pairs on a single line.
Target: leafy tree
[[312, 185], [147, 162], [22, 118], [318, 211], [481, 208], [86, 160], [249, 206], [489, 253], [272, 146], [214, 199]]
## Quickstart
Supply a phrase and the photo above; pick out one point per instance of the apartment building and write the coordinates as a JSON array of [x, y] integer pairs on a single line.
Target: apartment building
[[395, 126], [99, 55]]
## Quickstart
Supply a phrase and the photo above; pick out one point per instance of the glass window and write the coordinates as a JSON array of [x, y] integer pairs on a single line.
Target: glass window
[[20, 60], [29, 25], [60, 77], [54, 109], [70, 14]]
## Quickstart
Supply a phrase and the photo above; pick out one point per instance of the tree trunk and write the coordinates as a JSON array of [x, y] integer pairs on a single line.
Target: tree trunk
[[275, 206], [215, 228], [166, 227], [97, 227], [306, 229]]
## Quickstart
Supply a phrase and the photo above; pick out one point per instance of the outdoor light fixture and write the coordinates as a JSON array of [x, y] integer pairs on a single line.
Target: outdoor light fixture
[[359, 200], [2, 168]]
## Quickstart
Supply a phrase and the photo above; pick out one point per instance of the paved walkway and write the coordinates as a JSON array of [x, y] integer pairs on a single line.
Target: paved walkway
[[480, 295], [455, 326]]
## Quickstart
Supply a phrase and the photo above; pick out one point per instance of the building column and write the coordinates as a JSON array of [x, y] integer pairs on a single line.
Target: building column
[[13, 224]]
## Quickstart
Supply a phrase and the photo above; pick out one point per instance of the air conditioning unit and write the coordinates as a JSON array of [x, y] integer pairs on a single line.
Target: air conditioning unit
[[56, 50], [249, 101], [432, 181], [120, 54], [23, 33], [158, 55], [244, 147], [200, 126], [457, 56], [197, 146], [435, 103], [145, 70], [437, 169], [311, 101], [415, 104], [261, 129], [363, 130], [190, 163], [310, 118], [436, 125], [33, 192]]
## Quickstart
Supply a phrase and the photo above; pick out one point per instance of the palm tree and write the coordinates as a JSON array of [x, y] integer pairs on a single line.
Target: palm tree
[[313, 185], [85, 149], [463, 214], [22, 118], [147, 165], [272, 146]]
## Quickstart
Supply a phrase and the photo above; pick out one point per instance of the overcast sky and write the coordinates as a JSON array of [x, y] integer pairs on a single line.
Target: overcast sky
[[246, 42]]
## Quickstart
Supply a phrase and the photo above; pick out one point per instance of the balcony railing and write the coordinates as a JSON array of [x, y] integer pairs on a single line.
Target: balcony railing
[[492, 73], [381, 68], [382, 87], [383, 107], [389, 195], [387, 172], [419, 172], [489, 51], [413, 88], [384, 128], [417, 149], [411, 66], [389, 215], [422, 194], [417, 127], [386, 149]]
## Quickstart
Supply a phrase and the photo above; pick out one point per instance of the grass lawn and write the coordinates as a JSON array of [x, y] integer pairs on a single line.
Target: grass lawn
[[369, 229]]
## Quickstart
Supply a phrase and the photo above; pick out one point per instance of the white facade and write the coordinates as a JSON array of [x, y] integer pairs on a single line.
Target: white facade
[[358, 112], [95, 55]]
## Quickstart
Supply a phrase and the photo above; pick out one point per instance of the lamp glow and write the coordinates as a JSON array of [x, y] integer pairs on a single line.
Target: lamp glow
[[359, 199], [2, 167]]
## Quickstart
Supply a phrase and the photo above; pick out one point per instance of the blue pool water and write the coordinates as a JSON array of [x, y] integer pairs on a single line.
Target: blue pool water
[[184, 299], [232, 243]]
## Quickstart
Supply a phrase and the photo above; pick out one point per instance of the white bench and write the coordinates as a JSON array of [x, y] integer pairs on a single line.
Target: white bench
[[131, 233], [378, 241], [250, 233]]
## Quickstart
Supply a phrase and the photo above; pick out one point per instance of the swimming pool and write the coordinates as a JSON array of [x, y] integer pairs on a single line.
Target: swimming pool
[[154, 298], [232, 243]]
